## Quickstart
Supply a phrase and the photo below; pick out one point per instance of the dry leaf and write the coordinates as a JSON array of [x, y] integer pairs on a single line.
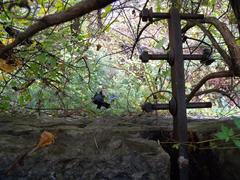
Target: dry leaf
[[46, 138], [6, 67], [99, 47], [2, 78], [9, 68], [62, 65]]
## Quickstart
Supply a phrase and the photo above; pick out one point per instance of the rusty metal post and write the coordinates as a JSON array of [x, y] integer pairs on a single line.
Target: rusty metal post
[[177, 105], [178, 90]]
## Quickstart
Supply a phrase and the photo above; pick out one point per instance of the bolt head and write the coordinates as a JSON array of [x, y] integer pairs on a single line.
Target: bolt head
[[147, 107], [209, 62], [144, 15], [144, 57]]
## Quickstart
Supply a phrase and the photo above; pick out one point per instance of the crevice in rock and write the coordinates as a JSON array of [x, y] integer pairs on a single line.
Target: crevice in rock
[[204, 164]]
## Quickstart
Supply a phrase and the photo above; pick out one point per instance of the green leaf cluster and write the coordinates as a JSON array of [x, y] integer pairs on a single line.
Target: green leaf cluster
[[227, 134]]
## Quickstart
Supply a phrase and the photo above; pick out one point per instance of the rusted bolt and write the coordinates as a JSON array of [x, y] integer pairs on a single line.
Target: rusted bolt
[[147, 15], [144, 57], [147, 107], [207, 60]]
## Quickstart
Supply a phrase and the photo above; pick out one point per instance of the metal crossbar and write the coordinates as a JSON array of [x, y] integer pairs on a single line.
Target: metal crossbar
[[177, 105]]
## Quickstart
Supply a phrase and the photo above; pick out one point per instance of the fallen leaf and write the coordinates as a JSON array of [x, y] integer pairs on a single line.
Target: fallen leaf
[[46, 139]]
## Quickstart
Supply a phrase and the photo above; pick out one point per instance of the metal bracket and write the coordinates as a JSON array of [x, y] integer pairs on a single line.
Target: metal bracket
[[172, 106], [149, 15], [203, 58], [145, 57]]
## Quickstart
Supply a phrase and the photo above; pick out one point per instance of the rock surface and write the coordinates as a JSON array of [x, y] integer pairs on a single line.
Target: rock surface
[[99, 149], [111, 148]]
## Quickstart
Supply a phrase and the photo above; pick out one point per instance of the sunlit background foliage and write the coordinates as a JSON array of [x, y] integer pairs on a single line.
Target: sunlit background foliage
[[60, 69]]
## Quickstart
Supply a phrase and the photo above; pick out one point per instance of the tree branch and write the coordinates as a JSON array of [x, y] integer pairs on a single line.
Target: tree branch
[[205, 79], [220, 92], [236, 9], [78, 10], [233, 61], [230, 41], [221, 51]]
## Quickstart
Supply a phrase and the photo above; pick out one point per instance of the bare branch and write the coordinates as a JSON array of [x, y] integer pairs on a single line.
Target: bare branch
[[233, 61], [78, 10], [236, 9], [230, 41], [221, 51], [220, 92], [205, 79]]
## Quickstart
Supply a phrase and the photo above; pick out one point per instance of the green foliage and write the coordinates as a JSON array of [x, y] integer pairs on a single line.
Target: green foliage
[[227, 134], [236, 142], [158, 5], [5, 103], [67, 70], [107, 11], [237, 122], [176, 146]]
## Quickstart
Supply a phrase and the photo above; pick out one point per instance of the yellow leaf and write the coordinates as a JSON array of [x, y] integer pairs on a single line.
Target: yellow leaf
[[18, 63], [7, 41], [34, 44], [46, 138], [9, 68], [6, 67], [238, 41], [42, 10], [2, 78]]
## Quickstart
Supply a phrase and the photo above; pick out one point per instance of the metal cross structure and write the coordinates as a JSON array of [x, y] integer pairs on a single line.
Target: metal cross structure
[[178, 104]]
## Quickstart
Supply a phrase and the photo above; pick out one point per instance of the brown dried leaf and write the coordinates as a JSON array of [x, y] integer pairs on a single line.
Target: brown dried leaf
[[9, 68], [99, 46], [46, 138]]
